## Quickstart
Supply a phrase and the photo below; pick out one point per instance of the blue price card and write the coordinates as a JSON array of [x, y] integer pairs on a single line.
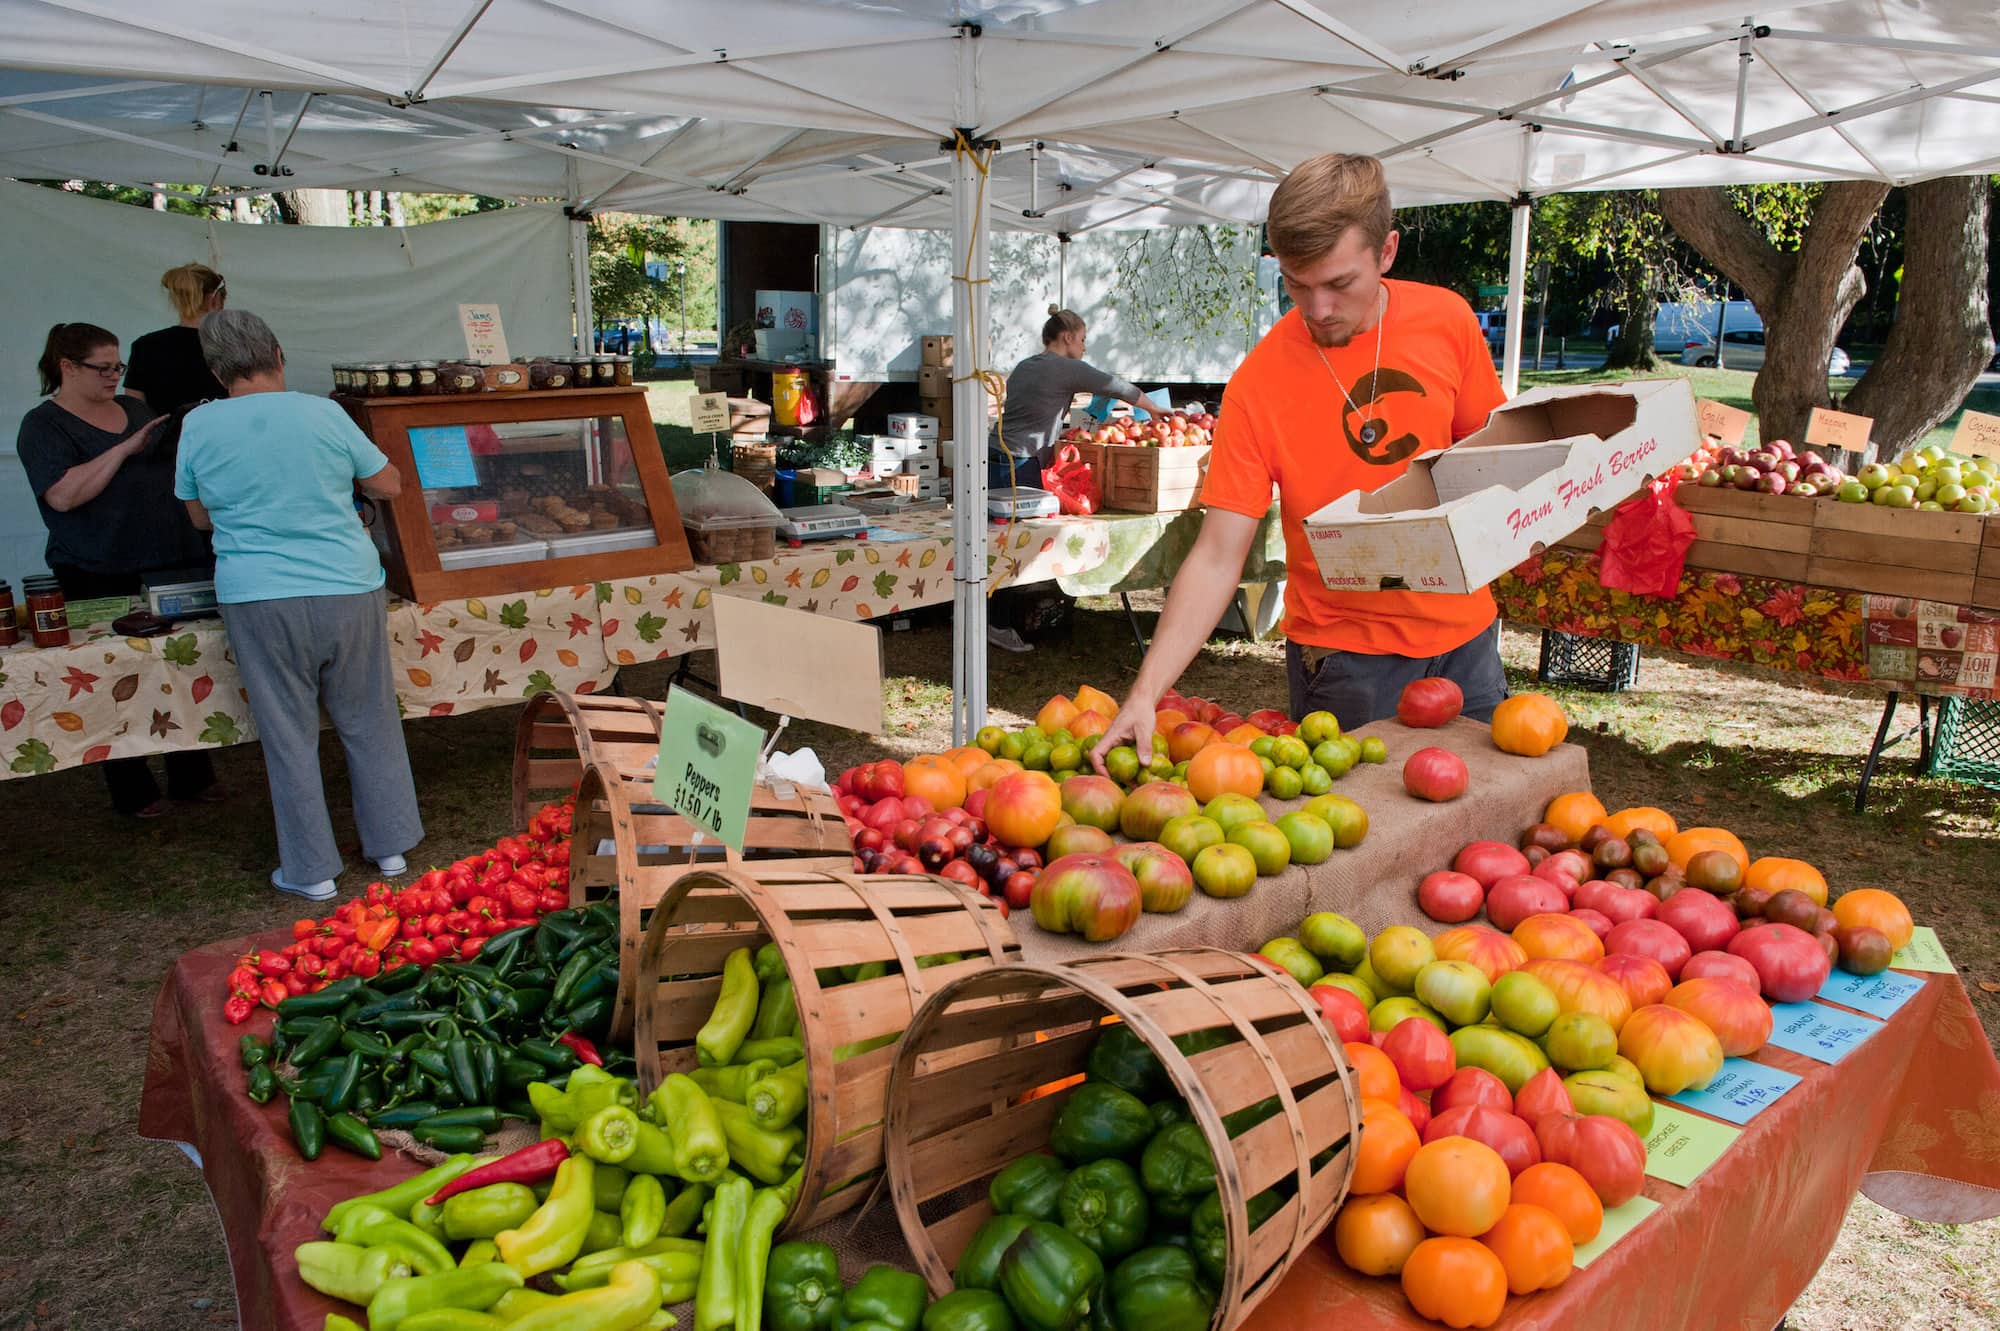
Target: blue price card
[[1740, 1092], [443, 455], [1827, 1034], [1877, 995]]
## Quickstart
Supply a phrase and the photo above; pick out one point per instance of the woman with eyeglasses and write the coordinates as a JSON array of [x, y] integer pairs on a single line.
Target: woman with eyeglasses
[[107, 497], [167, 369]]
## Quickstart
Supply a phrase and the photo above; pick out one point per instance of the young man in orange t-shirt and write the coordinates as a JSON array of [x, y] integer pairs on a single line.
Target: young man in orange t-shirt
[[1362, 376]]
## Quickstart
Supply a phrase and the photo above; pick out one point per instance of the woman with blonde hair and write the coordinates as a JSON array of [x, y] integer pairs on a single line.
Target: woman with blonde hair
[[167, 371], [1038, 397]]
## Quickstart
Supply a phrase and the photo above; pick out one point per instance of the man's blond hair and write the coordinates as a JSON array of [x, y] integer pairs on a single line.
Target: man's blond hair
[[1322, 199]]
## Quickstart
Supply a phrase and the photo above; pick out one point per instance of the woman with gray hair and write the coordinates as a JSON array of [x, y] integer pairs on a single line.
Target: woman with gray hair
[[272, 473]]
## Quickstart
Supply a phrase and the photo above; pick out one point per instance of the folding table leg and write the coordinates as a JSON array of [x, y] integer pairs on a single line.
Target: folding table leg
[[1875, 750], [1132, 617]]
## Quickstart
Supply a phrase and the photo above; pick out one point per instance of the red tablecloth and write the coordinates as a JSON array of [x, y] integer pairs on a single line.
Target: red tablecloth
[[1912, 1117]]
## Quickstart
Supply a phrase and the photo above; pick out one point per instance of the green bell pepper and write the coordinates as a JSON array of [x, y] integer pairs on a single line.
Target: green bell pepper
[[1028, 1187], [1103, 1204], [1249, 1116], [683, 1109], [715, 1295], [483, 1212], [884, 1296], [1122, 1059], [735, 1010], [979, 1265], [778, 1097], [1049, 1278], [757, 1151], [969, 1310], [474, 1287], [801, 1287], [641, 1210], [1178, 1170], [1166, 1113], [733, 1082], [347, 1271], [1160, 1289], [1100, 1122], [373, 1227], [553, 1236], [1211, 1235]]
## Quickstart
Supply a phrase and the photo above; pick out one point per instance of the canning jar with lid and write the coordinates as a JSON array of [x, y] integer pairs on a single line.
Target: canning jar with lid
[[602, 373], [429, 384], [378, 383], [403, 378], [546, 372], [10, 628], [459, 376], [621, 371], [340, 383], [49, 613], [506, 377], [581, 373]]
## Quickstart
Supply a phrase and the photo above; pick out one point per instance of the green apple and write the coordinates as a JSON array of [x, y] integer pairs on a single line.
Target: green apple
[[1851, 492]]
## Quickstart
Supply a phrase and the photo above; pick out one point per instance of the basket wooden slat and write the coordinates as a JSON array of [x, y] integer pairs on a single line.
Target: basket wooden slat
[[986, 1067], [652, 848], [560, 734], [704, 913]]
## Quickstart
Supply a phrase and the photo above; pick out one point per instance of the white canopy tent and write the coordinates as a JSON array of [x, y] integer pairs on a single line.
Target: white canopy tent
[[1075, 113]]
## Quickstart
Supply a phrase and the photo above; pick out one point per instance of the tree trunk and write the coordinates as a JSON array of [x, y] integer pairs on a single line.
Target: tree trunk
[[1633, 348], [1941, 338], [313, 207], [395, 209], [1803, 297]]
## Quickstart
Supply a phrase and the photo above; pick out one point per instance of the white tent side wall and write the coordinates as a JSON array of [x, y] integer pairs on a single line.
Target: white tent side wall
[[330, 293]]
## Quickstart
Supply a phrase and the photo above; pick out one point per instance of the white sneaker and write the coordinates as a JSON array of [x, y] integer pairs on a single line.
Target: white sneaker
[[391, 865], [1007, 640], [323, 890]]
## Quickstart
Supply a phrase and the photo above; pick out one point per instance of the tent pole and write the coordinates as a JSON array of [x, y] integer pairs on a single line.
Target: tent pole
[[969, 355], [1517, 283], [579, 265]]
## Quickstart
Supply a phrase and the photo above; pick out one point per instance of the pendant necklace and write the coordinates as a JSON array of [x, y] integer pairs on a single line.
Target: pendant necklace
[[1371, 430]]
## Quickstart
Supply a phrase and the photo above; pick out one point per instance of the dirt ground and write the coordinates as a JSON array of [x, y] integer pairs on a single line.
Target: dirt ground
[[113, 1232]]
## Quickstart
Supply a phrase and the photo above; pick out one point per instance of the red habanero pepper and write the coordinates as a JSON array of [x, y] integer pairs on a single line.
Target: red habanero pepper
[[448, 946], [330, 945], [413, 927], [243, 980], [558, 857], [529, 1165], [433, 925], [238, 1009], [296, 983], [519, 898], [380, 894], [582, 1048], [551, 899], [489, 925], [423, 952], [336, 970], [482, 905], [346, 956], [274, 965], [303, 928], [459, 922], [273, 992], [470, 947], [368, 965]]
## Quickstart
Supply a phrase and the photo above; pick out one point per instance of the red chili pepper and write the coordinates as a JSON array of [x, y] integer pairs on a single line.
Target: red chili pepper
[[304, 928], [469, 947], [273, 992], [530, 1165], [238, 1009], [581, 1047], [423, 952], [377, 934], [550, 899], [482, 906], [243, 980]]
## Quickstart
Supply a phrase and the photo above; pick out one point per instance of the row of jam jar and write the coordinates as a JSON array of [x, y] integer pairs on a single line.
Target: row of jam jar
[[429, 378]]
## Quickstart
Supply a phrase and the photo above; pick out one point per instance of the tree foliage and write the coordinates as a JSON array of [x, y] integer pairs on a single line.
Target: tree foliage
[[1189, 283], [622, 288]]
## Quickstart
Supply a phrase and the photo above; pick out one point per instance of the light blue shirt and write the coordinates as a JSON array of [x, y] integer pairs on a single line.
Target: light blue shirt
[[276, 472]]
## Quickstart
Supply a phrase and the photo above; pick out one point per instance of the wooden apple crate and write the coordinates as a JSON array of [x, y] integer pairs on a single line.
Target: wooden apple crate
[[1148, 480], [1895, 552], [991, 1059], [1758, 535], [1986, 583], [628, 846], [818, 920]]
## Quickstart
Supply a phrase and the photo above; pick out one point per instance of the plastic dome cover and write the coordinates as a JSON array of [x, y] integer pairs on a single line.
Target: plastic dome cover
[[713, 498]]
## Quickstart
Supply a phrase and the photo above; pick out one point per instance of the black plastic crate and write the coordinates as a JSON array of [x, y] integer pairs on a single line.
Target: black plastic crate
[[1967, 747], [1587, 663]]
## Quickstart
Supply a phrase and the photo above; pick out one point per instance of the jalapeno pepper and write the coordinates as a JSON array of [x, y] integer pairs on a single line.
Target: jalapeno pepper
[[252, 1051], [263, 1083], [317, 1044], [351, 1134], [308, 1127]]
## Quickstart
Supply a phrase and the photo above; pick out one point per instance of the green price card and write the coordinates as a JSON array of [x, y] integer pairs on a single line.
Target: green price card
[[1683, 1144], [707, 766], [1618, 1222]]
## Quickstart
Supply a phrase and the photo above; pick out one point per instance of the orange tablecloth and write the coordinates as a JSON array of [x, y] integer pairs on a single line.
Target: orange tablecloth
[[1912, 1117]]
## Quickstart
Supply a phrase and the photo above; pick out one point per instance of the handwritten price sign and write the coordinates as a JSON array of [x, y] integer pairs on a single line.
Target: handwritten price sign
[[1740, 1092], [1818, 1031]]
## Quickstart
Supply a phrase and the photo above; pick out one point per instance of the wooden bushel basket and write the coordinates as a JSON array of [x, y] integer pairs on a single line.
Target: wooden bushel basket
[[560, 734], [651, 846], [988, 1063], [818, 920]]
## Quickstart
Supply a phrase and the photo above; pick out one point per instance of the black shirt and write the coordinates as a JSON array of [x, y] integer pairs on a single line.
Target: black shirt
[[167, 367], [135, 523]]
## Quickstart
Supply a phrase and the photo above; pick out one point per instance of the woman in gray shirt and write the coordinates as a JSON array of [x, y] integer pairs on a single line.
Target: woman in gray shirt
[[1038, 397]]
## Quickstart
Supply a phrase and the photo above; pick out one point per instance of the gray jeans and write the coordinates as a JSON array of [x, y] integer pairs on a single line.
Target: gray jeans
[[296, 655], [1358, 688]]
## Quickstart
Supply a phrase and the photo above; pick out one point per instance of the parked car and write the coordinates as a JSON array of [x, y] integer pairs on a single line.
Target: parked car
[[1493, 323], [1743, 349]]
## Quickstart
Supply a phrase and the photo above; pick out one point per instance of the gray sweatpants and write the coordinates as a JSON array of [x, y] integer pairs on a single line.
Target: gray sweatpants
[[296, 655]]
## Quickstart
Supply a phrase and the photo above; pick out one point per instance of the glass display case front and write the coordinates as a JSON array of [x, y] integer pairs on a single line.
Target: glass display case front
[[519, 491]]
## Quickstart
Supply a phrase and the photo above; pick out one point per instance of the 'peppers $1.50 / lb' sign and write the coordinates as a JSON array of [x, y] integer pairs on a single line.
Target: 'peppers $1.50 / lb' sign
[[707, 765]]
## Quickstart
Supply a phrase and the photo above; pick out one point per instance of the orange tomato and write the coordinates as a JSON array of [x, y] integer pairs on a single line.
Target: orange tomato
[[1457, 1186], [1224, 767], [1455, 1281], [1565, 1194], [1092, 699], [1244, 733], [1187, 739], [1689, 842], [1089, 725], [1657, 821], [985, 777], [1775, 873], [1056, 713], [1533, 1247], [935, 779], [1387, 1142], [1166, 718], [1876, 909], [967, 758], [1575, 813], [1562, 936], [1376, 1234], [1023, 808], [1529, 724], [1375, 1076]]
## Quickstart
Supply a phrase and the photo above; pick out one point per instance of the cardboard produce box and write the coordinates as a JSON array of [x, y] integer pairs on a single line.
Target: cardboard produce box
[[1544, 463], [934, 381], [936, 350]]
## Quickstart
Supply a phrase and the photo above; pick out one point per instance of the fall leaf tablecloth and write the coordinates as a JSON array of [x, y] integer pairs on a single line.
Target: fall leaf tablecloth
[[106, 696]]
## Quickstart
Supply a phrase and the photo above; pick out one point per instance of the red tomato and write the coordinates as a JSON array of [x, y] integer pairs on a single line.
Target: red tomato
[[1342, 1010]]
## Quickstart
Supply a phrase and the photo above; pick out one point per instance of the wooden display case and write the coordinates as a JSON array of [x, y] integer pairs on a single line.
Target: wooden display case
[[509, 492]]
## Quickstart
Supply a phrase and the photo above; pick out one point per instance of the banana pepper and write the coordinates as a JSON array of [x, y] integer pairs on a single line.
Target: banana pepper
[[677, 1263], [484, 1212], [757, 1151], [777, 1098], [694, 1128], [589, 1089], [610, 1135], [475, 1287], [641, 1210], [768, 1209], [625, 1302], [715, 1294], [555, 1233], [734, 1081], [347, 1271], [373, 1227], [735, 1011]]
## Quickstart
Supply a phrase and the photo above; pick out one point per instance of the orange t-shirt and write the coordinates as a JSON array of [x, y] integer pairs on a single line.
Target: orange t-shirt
[[1284, 422]]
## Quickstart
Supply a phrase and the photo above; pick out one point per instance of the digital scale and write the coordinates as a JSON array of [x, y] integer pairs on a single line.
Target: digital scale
[[188, 598], [819, 522], [1021, 502]]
